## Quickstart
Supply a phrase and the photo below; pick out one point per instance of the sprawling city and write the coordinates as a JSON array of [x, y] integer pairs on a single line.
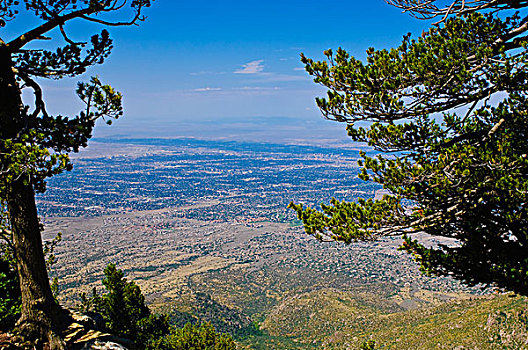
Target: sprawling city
[[187, 218]]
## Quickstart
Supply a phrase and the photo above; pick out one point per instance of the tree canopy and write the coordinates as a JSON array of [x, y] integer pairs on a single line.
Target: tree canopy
[[34, 145], [447, 112], [126, 315]]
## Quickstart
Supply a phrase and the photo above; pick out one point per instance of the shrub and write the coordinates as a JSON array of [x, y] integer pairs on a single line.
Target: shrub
[[193, 337], [10, 298]]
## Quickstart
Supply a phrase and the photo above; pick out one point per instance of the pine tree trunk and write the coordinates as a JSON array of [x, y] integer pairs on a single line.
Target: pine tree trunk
[[40, 314]]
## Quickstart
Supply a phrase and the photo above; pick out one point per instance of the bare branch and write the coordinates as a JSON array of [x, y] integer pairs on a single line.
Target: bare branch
[[16, 44], [66, 38], [40, 106], [136, 18], [428, 9], [59, 21]]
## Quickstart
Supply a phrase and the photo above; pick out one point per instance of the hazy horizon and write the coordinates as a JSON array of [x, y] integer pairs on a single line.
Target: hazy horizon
[[227, 70]]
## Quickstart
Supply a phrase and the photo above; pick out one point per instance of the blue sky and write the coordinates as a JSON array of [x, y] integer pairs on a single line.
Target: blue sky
[[202, 68]]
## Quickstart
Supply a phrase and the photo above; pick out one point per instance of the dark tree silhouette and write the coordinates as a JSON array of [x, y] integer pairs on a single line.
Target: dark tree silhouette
[[448, 112], [34, 145]]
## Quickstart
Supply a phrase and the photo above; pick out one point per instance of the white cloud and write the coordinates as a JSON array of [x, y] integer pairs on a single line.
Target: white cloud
[[207, 89], [252, 67]]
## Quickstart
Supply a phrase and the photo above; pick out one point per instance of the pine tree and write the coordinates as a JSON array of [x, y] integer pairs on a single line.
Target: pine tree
[[34, 145], [448, 113]]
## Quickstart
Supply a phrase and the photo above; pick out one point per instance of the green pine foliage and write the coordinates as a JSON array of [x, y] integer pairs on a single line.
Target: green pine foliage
[[34, 144], [151, 328], [124, 305], [448, 113], [124, 310], [126, 315], [193, 337], [10, 298]]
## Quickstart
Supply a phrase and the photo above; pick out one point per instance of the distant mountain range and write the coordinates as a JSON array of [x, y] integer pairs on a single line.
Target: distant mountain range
[[265, 129]]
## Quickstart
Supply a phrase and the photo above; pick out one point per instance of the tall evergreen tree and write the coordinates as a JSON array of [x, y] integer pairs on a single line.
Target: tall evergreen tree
[[34, 145], [448, 113]]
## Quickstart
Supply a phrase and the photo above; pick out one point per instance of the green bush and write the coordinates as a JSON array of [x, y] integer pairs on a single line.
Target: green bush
[[124, 310], [192, 337], [126, 315], [124, 305], [10, 298], [152, 328]]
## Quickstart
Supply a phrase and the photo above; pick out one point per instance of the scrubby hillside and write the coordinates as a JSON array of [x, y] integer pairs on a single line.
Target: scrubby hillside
[[332, 319]]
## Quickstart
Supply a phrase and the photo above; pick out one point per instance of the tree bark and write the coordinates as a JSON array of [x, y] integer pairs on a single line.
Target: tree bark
[[40, 320]]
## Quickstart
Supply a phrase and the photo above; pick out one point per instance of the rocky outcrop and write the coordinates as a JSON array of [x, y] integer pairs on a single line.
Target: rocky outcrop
[[86, 332], [83, 332]]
